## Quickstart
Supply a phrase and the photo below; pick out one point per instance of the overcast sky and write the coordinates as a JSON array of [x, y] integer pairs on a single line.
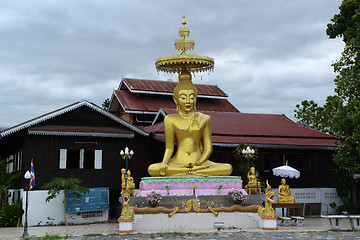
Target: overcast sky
[[269, 55]]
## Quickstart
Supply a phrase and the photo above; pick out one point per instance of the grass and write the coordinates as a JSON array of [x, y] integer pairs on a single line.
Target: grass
[[52, 237], [92, 234]]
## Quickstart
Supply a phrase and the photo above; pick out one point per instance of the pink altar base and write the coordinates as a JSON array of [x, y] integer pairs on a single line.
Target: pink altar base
[[183, 186]]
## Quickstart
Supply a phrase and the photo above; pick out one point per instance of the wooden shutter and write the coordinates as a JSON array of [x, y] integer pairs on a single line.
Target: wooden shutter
[[81, 165], [98, 159], [62, 163]]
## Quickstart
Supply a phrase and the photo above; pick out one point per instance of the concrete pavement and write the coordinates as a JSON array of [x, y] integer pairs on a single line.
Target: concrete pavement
[[110, 229]]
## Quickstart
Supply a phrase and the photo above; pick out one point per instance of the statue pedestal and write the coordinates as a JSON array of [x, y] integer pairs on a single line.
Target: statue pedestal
[[185, 186], [125, 224], [269, 222], [252, 189]]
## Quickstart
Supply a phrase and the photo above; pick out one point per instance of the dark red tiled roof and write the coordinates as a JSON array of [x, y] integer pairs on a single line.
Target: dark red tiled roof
[[152, 103], [238, 127], [168, 87]]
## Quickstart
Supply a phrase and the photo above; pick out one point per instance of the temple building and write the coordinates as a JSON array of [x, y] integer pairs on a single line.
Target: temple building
[[138, 101], [135, 119]]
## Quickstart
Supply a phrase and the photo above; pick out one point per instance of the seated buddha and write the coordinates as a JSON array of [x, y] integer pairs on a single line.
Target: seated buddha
[[192, 132], [285, 193], [253, 184]]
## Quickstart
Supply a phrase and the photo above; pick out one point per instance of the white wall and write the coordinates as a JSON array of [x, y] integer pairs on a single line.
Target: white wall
[[41, 212], [325, 196]]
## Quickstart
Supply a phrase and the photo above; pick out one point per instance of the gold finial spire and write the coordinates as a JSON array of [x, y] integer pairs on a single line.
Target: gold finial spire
[[184, 21], [183, 44]]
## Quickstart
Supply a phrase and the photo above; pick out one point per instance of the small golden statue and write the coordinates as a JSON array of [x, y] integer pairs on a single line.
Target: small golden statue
[[127, 213], [253, 185], [268, 210], [130, 183], [191, 130], [285, 193]]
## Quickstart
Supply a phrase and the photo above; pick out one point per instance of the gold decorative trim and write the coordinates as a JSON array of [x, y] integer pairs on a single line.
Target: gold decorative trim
[[193, 63]]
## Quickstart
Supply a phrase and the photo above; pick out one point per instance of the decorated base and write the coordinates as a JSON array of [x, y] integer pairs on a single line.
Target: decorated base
[[192, 222], [269, 222], [185, 186], [125, 224]]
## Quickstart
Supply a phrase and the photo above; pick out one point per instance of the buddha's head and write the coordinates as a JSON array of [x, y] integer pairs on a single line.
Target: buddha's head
[[252, 171], [185, 93], [283, 181]]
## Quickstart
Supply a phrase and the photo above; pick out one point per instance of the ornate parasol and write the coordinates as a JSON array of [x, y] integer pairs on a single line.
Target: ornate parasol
[[286, 171], [183, 61]]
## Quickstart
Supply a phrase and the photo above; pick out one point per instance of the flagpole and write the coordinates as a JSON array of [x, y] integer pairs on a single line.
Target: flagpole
[[26, 233]]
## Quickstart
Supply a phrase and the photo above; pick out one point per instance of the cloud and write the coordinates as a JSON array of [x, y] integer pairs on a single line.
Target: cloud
[[269, 55]]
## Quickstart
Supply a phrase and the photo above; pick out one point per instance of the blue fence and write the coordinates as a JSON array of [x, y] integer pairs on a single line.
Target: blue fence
[[97, 199]]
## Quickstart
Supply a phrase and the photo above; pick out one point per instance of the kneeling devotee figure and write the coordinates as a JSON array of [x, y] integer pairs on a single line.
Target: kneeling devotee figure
[[192, 132], [285, 193]]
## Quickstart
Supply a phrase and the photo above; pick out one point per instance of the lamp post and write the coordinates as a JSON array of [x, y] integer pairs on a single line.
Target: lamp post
[[126, 155], [248, 153], [27, 176]]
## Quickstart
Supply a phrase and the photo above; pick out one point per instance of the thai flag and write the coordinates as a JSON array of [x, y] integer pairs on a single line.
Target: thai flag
[[32, 175]]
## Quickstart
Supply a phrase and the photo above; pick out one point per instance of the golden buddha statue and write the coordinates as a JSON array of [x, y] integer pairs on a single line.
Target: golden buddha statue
[[253, 184], [285, 193], [130, 185], [192, 132]]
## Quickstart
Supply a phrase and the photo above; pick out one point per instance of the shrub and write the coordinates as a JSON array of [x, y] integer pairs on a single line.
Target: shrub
[[11, 214]]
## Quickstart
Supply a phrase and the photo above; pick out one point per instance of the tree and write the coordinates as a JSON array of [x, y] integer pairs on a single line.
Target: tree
[[317, 117], [346, 24], [241, 168], [341, 113], [64, 184], [5, 178], [106, 104]]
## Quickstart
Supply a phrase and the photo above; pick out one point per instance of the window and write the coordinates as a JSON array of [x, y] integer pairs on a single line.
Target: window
[[15, 165], [73, 157], [80, 159], [89, 159]]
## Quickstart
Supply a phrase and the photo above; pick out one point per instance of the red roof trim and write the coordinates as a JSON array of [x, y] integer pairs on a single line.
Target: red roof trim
[[79, 129]]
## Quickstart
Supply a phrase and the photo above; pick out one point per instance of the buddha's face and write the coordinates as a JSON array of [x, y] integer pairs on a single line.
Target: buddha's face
[[283, 181], [186, 100], [252, 170]]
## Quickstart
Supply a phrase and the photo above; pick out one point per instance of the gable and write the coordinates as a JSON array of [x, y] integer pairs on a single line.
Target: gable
[[82, 117]]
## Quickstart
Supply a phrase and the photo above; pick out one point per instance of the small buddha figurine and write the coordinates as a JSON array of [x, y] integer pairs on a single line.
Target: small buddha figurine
[[130, 183], [192, 132], [285, 193], [253, 184]]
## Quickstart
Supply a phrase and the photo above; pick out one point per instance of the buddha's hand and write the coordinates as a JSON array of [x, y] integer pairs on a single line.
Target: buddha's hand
[[163, 168], [195, 168], [199, 163]]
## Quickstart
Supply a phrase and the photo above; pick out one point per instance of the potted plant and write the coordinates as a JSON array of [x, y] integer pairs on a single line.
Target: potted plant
[[167, 187], [237, 196], [219, 186], [153, 198]]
